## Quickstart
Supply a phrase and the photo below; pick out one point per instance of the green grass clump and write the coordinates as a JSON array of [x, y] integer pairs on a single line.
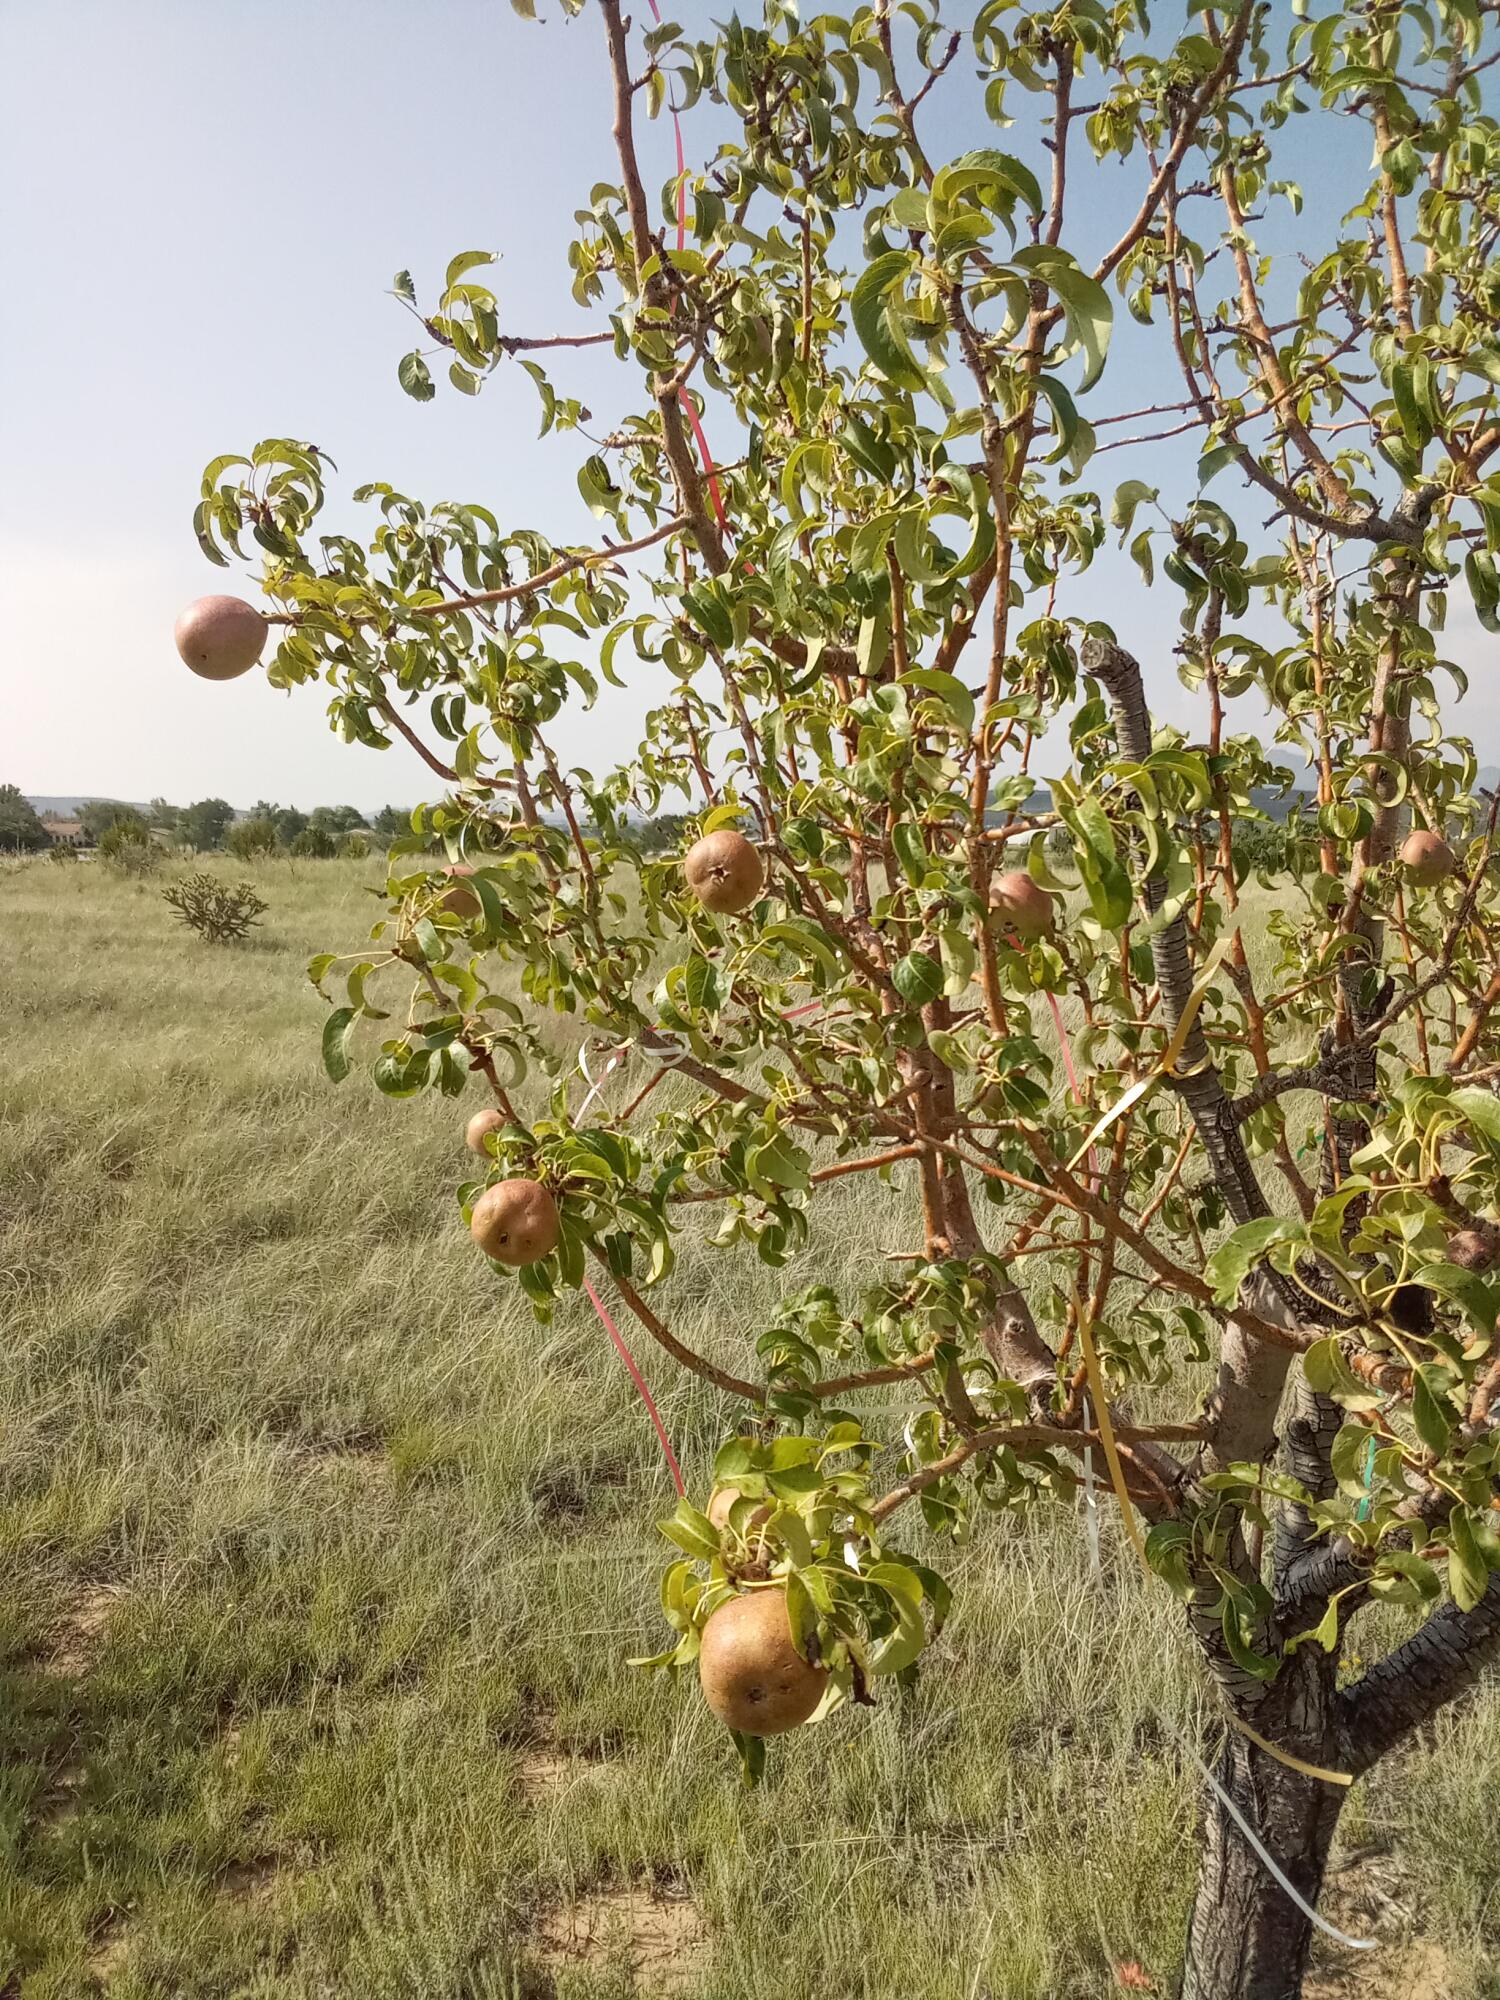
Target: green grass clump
[[320, 1565]]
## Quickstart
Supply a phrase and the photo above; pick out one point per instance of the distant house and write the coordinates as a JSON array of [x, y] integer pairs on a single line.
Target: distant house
[[67, 833]]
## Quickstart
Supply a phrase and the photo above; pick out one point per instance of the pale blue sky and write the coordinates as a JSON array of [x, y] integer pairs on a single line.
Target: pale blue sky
[[204, 207]]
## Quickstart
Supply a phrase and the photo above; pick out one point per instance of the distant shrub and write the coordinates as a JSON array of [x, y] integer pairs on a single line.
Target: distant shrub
[[353, 847], [221, 912], [62, 852], [250, 839], [1274, 847], [313, 843], [662, 835], [128, 846]]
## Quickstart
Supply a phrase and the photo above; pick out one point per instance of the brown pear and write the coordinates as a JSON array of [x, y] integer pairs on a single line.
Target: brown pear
[[1475, 1249], [1022, 903], [480, 1127], [460, 902], [220, 637], [515, 1222], [724, 872], [1427, 858], [752, 1675]]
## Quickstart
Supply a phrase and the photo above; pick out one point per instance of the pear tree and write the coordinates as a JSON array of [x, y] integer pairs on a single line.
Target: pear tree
[[952, 906]]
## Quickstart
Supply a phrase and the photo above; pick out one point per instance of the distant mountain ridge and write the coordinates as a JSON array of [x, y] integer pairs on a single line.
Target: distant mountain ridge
[[64, 805], [1277, 805]]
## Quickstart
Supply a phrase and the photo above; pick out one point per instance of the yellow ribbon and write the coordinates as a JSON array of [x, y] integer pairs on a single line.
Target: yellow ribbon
[[1166, 1062], [1107, 1433]]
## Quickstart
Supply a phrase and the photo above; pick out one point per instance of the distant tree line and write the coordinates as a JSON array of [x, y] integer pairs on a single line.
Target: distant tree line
[[21, 831], [209, 825]]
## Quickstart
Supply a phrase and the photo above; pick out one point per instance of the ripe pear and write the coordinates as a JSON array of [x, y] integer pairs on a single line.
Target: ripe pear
[[1023, 904], [752, 1675], [515, 1222], [480, 1127], [1475, 1249], [461, 902], [1427, 858], [724, 872], [220, 637]]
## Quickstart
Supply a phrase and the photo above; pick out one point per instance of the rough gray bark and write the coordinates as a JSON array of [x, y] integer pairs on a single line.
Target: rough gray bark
[[1198, 1084], [1311, 1424], [1441, 1660], [1246, 1939]]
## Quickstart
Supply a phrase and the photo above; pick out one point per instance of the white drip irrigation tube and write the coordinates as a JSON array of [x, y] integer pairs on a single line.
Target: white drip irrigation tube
[[1253, 1839]]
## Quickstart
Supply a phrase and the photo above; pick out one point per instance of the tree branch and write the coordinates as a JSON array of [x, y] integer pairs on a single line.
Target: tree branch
[[733, 1385], [1196, 1078], [1436, 1665]]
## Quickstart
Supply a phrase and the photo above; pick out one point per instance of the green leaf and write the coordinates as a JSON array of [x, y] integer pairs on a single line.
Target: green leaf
[[1087, 308], [414, 378], [1479, 1297], [491, 908], [1325, 1633], [1241, 1651], [1237, 1256], [596, 484], [987, 169], [1430, 1412], [466, 260], [1067, 423], [1104, 879], [918, 978], [336, 1031], [1169, 1546], [544, 389], [728, 814], [1482, 1109], [780, 1163], [1404, 1578], [1468, 1572], [950, 691], [692, 1532], [885, 345], [866, 449], [1127, 498], [911, 852], [1328, 1373], [752, 1749], [959, 960]]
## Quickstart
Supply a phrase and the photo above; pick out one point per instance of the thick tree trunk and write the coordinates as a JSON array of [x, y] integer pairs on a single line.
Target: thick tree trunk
[[1247, 1940]]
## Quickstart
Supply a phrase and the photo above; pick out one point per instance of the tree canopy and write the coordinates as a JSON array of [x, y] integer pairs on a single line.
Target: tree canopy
[[20, 826], [845, 517]]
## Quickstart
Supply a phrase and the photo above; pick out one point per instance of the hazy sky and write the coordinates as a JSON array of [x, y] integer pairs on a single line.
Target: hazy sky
[[204, 205]]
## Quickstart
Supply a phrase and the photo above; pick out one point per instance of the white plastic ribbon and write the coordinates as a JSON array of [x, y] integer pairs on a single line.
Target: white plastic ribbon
[[1091, 1499], [617, 1056], [1253, 1839], [1272, 1868], [666, 1050]]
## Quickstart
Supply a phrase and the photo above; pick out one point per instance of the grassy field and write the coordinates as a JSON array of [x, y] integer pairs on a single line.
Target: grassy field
[[320, 1565]]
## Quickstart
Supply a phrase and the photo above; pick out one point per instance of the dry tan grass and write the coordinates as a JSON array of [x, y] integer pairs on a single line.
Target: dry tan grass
[[314, 1544]]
